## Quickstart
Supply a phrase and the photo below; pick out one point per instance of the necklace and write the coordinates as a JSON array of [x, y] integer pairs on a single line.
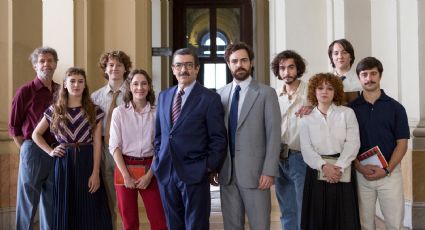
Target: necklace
[[291, 94], [324, 114]]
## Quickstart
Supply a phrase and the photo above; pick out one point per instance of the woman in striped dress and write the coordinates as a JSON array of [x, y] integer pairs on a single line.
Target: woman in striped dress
[[79, 199]]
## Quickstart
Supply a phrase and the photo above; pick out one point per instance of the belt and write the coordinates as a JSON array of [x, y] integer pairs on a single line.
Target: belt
[[293, 151], [76, 147], [137, 158]]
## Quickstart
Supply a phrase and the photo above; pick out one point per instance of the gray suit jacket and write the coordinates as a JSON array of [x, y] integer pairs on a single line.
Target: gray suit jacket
[[257, 135]]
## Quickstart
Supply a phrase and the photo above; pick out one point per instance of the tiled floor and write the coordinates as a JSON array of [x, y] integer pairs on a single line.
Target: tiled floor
[[216, 219]]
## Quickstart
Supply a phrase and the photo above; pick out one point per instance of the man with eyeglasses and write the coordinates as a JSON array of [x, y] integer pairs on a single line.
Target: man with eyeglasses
[[190, 145]]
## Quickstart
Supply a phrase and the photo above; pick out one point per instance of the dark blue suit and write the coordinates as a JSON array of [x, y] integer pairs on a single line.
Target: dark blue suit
[[185, 152]]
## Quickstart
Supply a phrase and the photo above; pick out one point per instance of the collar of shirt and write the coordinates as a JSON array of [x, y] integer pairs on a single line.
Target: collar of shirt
[[147, 108], [243, 84], [361, 100], [108, 89], [329, 113], [282, 91], [39, 84], [187, 91]]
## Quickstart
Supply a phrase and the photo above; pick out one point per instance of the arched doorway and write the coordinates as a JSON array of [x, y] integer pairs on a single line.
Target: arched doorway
[[208, 27]]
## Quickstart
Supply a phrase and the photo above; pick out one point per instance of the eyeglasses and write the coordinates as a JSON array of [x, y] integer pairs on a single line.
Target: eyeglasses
[[188, 65]]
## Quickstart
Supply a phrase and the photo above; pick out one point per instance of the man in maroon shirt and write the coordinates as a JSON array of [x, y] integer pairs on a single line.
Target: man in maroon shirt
[[35, 176]]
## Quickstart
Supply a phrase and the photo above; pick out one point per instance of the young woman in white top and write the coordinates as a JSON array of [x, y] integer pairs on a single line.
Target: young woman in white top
[[330, 131], [131, 143]]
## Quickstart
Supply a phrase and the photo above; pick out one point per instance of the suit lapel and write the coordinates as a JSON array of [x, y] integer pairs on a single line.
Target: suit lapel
[[168, 104], [225, 98], [250, 97], [191, 102]]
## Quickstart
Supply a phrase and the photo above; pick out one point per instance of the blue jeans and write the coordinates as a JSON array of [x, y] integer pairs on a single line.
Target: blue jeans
[[35, 178], [289, 189]]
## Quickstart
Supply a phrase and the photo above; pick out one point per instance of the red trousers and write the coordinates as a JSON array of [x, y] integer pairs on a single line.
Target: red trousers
[[127, 202]]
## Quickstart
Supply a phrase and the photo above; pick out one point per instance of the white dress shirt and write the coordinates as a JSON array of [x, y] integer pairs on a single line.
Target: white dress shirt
[[186, 94], [288, 108], [351, 82], [242, 93], [132, 132], [103, 98], [338, 133]]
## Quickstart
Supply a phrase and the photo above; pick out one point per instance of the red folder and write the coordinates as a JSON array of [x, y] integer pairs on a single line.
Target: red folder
[[373, 156], [136, 171]]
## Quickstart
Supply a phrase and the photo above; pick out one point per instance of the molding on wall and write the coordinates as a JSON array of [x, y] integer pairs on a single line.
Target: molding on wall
[[418, 215]]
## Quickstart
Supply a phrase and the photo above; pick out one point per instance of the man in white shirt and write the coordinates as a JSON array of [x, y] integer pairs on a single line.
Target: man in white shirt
[[289, 67], [341, 55], [116, 66]]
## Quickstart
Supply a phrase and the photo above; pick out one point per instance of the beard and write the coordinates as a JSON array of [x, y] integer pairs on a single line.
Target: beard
[[289, 79], [241, 74], [45, 75]]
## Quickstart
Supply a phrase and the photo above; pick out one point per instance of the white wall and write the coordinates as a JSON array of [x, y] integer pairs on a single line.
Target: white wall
[[58, 32]]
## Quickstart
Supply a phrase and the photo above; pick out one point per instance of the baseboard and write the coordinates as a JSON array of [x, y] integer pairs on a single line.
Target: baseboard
[[7, 218]]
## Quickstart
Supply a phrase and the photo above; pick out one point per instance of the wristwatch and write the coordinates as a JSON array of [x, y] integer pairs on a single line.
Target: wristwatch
[[387, 172]]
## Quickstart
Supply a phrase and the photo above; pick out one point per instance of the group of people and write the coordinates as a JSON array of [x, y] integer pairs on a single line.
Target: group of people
[[326, 124], [70, 142], [82, 154]]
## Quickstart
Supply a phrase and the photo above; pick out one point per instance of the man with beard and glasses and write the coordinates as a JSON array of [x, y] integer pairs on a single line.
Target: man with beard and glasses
[[190, 145], [253, 122], [288, 66], [35, 177], [383, 123]]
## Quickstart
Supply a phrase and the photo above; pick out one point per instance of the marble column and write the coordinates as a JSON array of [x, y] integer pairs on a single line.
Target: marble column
[[20, 34]]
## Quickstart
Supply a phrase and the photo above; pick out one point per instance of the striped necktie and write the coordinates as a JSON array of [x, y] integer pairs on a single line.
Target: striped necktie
[[177, 106]]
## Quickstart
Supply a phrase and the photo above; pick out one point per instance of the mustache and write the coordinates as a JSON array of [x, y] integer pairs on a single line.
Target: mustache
[[241, 68], [371, 82], [184, 74]]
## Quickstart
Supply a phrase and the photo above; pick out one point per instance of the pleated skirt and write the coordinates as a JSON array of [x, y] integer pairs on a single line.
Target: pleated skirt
[[329, 206], [74, 207]]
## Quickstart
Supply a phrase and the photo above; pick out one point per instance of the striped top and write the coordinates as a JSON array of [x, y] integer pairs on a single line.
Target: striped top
[[78, 128]]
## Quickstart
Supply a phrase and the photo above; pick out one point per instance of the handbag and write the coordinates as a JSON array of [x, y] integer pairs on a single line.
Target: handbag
[[346, 175]]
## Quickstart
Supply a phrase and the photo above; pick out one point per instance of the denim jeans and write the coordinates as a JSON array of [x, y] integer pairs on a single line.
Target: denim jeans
[[35, 178], [289, 189]]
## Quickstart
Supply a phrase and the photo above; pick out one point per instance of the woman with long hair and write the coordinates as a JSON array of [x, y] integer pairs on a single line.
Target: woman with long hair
[[131, 144], [329, 143], [79, 200]]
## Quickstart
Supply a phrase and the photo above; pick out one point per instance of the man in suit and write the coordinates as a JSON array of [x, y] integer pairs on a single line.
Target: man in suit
[[253, 122], [190, 144]]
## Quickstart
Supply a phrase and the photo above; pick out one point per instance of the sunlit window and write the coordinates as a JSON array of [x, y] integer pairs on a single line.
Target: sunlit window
[[221, 42]]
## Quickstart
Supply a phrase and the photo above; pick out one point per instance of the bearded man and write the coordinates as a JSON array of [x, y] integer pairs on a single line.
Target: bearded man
[[252, 118]]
